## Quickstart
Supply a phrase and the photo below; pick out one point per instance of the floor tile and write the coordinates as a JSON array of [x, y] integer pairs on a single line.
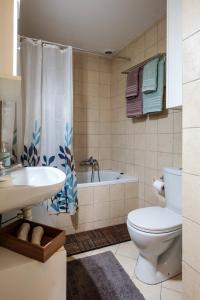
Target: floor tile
[[174, 283], [81, 255], [128, 249], [127, 263], [170, 295], [150, 292], [113, 249], [126, 253]]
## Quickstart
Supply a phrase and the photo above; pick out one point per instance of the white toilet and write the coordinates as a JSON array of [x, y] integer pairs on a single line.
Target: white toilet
[[157, 233]]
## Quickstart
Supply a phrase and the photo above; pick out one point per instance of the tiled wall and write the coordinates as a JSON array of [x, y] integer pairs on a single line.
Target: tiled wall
[[100, 206], [140, 147], [143, 146], [92, 75], [191, 149]]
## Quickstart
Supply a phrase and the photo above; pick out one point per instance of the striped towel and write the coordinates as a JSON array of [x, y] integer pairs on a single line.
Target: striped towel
[[134, 104], [132, 83], [153, 102], [150, 76]]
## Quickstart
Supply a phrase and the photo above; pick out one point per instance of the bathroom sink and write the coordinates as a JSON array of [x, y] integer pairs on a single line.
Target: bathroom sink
[[30, 185]]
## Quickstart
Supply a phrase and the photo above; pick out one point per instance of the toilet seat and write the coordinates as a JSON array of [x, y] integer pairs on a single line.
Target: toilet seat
[[155, 220]]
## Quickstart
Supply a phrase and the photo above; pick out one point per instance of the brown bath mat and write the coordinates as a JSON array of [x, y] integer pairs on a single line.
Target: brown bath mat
[[94, 239], [99, 277]]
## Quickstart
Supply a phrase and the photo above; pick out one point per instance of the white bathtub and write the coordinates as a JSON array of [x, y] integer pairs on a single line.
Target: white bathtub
[[106, 178]]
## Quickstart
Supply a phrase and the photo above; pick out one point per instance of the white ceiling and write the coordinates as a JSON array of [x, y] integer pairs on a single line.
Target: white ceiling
[[89, 24]]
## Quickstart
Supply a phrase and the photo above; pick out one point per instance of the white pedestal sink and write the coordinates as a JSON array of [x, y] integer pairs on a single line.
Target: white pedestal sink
[[31, 185]]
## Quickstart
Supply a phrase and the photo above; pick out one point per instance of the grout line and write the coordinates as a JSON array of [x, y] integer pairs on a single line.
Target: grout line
[[191, 220], [161, 291], [191, 267], [190, 81], [191, 34]]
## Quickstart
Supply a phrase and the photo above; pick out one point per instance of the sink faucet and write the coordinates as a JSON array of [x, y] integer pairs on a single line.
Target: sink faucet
[[5, 171], [2, 169], [5, 156]]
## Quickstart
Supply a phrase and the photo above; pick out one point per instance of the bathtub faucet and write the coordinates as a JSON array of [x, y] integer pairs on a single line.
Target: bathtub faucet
[[92, 162], [89, 162]]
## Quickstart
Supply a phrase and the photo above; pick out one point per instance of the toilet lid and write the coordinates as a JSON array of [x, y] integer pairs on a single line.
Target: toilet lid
[[155, 219]]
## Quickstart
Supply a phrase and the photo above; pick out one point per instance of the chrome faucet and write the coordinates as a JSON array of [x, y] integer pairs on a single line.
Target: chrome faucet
[[91, 162]]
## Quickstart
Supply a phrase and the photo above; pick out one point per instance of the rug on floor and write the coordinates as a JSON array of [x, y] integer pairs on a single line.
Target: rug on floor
[[99, 277], [95, 239]]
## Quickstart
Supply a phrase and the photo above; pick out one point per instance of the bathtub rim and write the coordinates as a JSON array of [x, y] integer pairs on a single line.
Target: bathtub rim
[[109, 182]]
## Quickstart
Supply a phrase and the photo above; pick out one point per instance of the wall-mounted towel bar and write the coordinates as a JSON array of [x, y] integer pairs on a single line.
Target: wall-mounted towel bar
[[143, 63]]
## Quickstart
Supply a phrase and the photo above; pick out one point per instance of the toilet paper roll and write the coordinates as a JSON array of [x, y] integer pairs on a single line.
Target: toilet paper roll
[[159, 186]]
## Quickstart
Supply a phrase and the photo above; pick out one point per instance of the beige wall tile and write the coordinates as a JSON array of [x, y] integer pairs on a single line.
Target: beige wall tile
[[101, 211], [165, 123], [85, 227], [131, 204], [165, 142], [177, 122], [65, 220], [191, 154], [85, 196], [190, 13], [165, 160], [151, 159], [177, 161], [191, 203], [191, 92], [151, 142], [140, 141], [177, 143], [191, 243], [152, 124], [117, 208], [191, 288], [139, 157], [131, 190], [101, 194], [191, 66], [117, 191], [101, 224], [130, 146], [84, 215]]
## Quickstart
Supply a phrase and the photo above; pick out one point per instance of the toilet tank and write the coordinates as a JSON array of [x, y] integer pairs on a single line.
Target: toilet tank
[[173, 189]]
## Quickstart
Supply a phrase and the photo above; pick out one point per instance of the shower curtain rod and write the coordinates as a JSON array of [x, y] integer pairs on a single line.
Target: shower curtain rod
[[63, 46]]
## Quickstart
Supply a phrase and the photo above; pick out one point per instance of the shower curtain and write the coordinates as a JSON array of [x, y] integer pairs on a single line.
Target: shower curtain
[[47, 93]]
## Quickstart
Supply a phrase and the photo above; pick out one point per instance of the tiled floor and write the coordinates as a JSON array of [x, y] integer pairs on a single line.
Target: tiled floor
[[126, 253]]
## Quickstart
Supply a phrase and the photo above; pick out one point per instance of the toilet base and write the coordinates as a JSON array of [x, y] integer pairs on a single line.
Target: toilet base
[[152, 270]]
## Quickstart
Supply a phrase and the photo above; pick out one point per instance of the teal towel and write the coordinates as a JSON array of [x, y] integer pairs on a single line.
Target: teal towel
[[150, 76], [153, 102]]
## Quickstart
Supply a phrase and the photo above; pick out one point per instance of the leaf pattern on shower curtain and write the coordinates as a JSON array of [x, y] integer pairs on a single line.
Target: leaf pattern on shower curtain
[[64, 160], [30, 156], [47, 91], [70, 188]]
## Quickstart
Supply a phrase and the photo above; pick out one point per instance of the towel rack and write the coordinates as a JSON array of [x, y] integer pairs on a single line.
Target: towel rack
[[143, 63]]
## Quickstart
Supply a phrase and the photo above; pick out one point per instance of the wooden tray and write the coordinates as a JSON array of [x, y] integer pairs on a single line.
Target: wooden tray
[[52, 240]]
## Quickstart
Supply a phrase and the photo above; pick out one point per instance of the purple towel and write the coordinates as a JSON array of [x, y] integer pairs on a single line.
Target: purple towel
[[134, 105], [132, 83]]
